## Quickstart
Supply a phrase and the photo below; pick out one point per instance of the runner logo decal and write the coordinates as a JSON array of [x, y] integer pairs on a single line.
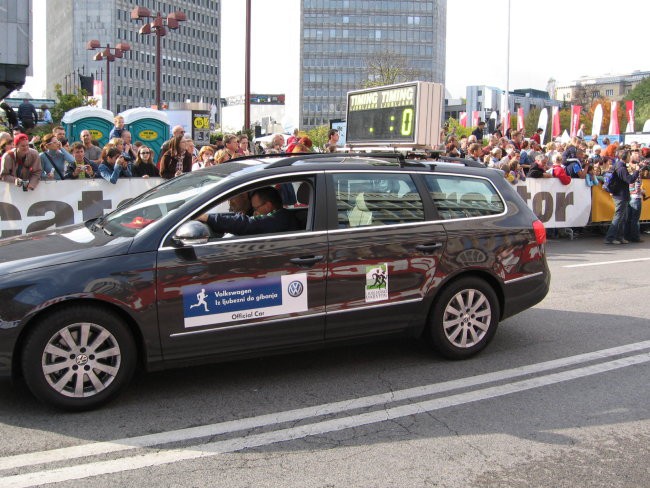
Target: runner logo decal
[[244, 300], [377, 283]]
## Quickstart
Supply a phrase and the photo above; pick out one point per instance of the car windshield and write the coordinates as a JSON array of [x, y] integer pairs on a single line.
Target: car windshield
[[142, 211]]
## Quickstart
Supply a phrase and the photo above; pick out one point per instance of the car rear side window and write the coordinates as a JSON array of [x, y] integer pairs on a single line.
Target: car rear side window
[[459, 197], [364, 199]]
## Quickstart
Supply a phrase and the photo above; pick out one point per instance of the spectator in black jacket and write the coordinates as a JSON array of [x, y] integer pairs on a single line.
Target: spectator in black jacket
[[621, 196], [478, 132], [27, 114]]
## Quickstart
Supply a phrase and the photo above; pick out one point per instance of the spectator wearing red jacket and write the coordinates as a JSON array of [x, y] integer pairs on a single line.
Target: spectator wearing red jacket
[[559, 172]]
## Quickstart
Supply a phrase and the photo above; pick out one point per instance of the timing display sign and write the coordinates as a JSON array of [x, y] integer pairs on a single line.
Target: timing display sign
[[407, 114]]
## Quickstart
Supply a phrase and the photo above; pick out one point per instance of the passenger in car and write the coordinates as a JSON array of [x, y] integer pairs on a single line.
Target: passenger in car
[[268, 216]]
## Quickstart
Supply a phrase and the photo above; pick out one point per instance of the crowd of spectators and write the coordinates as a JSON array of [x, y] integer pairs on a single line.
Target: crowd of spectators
[[27, 160], [577, 159]]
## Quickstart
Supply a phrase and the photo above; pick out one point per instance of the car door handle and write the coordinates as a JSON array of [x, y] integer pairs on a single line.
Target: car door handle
[[429, 247], [306, 260]]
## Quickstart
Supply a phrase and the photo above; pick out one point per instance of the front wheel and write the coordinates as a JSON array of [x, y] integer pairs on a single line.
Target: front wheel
[[464, 318], [78, 358]]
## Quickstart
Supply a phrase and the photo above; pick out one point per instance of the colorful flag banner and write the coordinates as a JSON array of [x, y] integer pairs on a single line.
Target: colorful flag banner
[[555, 129], [629, 109], [613, 120], [462, 119], [520, 118], [598, 120], [575, 119]]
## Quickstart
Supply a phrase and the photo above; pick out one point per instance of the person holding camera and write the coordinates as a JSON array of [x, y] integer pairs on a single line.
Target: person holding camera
[[21, 165], [81, 168], [114, 166], [206, 158]]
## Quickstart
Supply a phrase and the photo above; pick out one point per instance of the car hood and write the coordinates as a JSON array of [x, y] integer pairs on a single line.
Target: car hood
[[57, 246]]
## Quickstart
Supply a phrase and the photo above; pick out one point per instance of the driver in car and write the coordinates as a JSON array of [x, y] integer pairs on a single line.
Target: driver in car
[[268, 216]]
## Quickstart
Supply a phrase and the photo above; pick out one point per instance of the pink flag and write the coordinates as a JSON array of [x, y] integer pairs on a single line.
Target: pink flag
[[629, 108], [556, 130], [505, 122], [520, 118], [613, 120], [475, 117], [462, 119], [575, 119]]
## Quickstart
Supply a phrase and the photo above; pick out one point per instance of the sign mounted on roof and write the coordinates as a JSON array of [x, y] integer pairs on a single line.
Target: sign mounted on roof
[[407, 114]]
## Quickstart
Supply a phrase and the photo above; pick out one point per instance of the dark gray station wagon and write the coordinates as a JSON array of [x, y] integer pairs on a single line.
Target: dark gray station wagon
[[383, 245]]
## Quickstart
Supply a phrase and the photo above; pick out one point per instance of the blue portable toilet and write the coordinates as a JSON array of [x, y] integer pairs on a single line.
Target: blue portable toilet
[[149, 126], [98, 121]]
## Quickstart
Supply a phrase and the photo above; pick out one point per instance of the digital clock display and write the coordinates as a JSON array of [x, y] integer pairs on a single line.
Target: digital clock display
[[384, 114]]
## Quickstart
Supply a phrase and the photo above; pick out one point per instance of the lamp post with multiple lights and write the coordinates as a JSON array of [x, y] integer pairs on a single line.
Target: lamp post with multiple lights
[[110, 54], [157, 26]]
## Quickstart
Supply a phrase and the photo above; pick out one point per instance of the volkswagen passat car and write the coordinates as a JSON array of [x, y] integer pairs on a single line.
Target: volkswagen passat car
[[384, 245]]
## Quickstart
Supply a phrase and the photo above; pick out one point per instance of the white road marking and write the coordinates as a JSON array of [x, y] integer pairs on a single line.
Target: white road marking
[[129, 443], [601, 263], [257, 440]]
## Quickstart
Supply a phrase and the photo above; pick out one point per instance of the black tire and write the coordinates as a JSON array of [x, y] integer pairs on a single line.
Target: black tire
[[78, 339], [460, 332]]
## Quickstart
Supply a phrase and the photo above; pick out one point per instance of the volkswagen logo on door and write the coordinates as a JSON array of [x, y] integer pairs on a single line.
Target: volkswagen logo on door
[[295, 289]]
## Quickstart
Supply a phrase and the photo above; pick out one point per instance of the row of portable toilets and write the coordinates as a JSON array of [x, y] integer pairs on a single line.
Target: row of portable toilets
[[147, 125]]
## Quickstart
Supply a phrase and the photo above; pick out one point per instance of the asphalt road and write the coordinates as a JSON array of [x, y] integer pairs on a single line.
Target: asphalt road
[[560, 398]]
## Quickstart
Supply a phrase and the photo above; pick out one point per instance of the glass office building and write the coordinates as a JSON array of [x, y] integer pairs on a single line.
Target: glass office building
[[338, 37], [189, 55]]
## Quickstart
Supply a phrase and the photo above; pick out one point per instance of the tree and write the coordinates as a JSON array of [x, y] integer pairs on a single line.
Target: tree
[[68, 101], [641, 96], [388, 68], [318, 136], [453, 125]]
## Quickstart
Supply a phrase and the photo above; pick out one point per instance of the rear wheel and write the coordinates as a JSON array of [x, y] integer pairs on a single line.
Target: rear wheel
[[78, 358], [464, 318]]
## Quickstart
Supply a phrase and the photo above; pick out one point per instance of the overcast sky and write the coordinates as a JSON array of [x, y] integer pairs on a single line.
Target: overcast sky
[[559, 39]]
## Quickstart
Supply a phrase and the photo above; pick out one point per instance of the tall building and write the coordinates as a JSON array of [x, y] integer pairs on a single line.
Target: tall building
[[189, 55], [339, 37]]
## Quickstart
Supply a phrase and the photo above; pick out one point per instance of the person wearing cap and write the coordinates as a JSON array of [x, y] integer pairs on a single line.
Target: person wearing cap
[[22, 165]]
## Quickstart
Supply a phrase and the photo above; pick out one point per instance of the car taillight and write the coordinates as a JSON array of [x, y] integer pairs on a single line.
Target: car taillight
[[540, 232]]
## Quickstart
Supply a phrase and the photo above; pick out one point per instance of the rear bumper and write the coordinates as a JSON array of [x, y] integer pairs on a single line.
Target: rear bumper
[[522, 293]]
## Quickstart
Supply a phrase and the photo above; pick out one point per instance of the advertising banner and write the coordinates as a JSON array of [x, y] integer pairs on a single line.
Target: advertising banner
[[520, 119], [555, 204], [59, 203]]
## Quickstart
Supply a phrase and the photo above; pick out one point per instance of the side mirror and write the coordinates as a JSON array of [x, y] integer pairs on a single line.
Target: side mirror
[[191, 233]]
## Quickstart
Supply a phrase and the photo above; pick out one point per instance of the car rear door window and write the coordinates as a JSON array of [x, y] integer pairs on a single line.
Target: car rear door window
[[365, 199], [459, 197]]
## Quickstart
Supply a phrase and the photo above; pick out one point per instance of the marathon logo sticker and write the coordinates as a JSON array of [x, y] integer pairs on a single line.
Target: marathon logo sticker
[[377, 283], [245, 300]]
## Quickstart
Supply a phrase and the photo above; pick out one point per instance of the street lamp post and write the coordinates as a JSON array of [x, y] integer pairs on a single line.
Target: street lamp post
[[110, 54], [157, 26]]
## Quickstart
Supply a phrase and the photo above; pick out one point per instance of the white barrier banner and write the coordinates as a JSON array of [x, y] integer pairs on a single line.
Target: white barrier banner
[[555, 204], [59, 203]]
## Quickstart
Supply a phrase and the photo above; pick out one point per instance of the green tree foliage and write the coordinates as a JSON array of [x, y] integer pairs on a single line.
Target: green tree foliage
[[68, 101], [318, 136], [453, 126], [641, 96]]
